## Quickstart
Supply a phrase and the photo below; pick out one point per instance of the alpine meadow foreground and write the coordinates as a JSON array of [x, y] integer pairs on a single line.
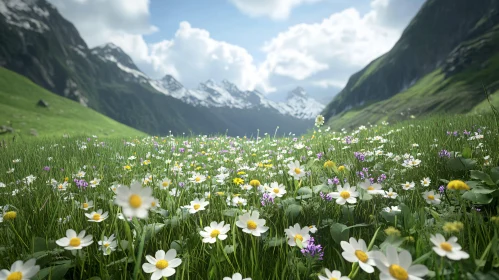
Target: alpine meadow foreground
[[417, 200]]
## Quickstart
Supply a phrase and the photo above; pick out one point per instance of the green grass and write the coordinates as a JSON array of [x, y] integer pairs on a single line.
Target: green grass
[[19, 97], [42, 210]]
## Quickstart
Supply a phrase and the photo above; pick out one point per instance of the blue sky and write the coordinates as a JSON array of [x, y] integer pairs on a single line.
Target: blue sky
[[269, 45]]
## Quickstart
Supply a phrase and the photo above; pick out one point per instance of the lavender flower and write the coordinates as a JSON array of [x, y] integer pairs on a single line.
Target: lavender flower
[[444, 153], [381, 178], [266, 199], [320, 155], [326, 197], [441, 189], [46, 168], [181, 184], [313, 250], [81, 183], [360, 156]]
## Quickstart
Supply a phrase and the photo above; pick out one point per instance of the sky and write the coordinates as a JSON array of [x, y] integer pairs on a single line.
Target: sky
[[269, 45]]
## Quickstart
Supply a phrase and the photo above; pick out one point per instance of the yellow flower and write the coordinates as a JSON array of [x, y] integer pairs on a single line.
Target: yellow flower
[[267, 165], [453, 226], [457, 185], [329, 164], [341, 168], [9, 216], [127, 167], [254, 183], [238, 181], [241, 173], [392, 231], [66, 179]]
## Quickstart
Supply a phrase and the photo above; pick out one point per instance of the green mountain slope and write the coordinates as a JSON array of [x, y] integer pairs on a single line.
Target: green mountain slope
[[440, 65], [57, 58], [18, 106]]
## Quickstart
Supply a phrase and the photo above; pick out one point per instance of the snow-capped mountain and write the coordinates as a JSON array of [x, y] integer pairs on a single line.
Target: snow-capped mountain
[[227, 94]]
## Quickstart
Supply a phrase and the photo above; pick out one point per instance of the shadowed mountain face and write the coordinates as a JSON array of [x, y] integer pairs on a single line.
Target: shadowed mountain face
[[37, 42], [445, 39]]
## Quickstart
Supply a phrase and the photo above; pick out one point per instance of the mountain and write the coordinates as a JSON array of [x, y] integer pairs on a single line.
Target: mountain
[[37, 42], [445, 57], [226, 94], [19, 111]]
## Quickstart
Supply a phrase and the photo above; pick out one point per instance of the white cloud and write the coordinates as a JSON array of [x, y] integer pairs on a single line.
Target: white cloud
[[193, 56], [275, 9], [327, 53]]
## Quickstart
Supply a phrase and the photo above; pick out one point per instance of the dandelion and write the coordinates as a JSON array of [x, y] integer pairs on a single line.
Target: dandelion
[[162, 264], [296, 170], [431, 197], [107, 245], [134, 200], [197, 205], [72, 241], [449, 248], [457, 185], [297, 233], [335, 274], [398, 266], [97, 217], [356, 251], [329, 164], [391, 231], [238, 181], [215, 231], [254, 183], [453, 226], [20, 270], [9, 216], [345, 194], [251, 223]]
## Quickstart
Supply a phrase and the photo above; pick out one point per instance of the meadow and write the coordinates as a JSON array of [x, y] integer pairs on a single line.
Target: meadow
[[416, 200]]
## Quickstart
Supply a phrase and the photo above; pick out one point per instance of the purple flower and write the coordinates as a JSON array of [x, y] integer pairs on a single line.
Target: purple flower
[[381, 178], [81, 183], [326, 197], [441, 189], [266, 199], [181, 184], [181, 150], [312, 250], [359, 156], [444, 153], [336, 181], [295, 139], [46, 168], [465, 132], [320, 155]]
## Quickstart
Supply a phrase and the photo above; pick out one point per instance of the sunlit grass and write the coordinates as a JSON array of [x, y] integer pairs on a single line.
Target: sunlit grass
[[44, 213]]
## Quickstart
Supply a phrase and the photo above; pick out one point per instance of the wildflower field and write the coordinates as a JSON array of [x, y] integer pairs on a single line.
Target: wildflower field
[[417, 200]]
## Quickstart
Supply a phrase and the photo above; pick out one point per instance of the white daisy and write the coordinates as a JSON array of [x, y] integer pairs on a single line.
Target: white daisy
[[390, 194], [250, 223], [20, 270], [426, 182], [276, 189], [345, 194], [449, 248], [356, 251], [162, 265], [97, 217], [296, 170], [408, 186], [196, 205], [73, 241], [371, 188], [398, 266], [214, 231], [107, 245], [135, 200], [236, 276], [296, 232], [431, 197], [336, 274]]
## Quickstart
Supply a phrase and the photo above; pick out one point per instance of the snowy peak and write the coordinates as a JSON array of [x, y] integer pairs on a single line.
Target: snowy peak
[[170, 83], [297, 92], [114, 53]]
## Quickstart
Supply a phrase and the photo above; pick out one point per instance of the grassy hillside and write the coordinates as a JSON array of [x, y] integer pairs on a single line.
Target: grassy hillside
[[18, 105]]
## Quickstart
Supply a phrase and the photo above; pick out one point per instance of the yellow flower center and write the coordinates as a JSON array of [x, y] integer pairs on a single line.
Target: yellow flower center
[[74, 242], [370, 188], [446, 246], [85, 205], [96, 217], [298, 236], [332, 278], [153, 204], [197, 179], [214, 233], [196, 206], [161, 264], [15, 276], [398, 272], [345, 194], [276, 190], [106, 245], [251, 224], [361, 256], [297, 170], [431, 197], [135, 201], [11, 215], [61, 186], [165, 184]]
